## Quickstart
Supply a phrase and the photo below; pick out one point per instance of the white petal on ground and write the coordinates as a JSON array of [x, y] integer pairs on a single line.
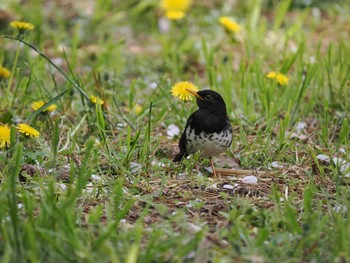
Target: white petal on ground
[[275, 164], [340, 209], [209, 169], [172, 131], [96, 177], [339, 161], [153, 85], [190, 255], [213, 186], [296, 136], [312, 59], [228, 186], [250, 179], [163, 25], [323, 158], [301, 126], [344, 166], [303, 137], [347, 175], [292, 135], [62, 186], [121, 124], [59, 61], [158, 164], [342, 150], [195, 228]]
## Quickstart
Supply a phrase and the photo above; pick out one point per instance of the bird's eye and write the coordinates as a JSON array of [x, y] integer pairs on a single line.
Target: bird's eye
[[208, 97]]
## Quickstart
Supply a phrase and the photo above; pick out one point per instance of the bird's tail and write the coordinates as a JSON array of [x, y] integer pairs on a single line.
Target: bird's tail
[[179, 157]]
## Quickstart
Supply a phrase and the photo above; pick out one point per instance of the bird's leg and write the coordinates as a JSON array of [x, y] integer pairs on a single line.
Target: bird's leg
[[212, 167]]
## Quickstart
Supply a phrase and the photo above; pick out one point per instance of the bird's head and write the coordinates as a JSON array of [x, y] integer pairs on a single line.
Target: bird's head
[[209, 99]]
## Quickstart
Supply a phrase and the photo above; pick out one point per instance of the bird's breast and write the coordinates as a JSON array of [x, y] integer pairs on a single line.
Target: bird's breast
[[208, 143]]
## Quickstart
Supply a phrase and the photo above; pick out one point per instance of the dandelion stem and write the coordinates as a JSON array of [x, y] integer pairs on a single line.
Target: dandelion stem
[[53, 64], [74, 83]]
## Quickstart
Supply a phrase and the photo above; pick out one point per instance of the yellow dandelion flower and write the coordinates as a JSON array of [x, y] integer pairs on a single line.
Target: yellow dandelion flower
[[4, 73], [27, 130], [176, 5], [50, 108], [229, 24], [279, 77], [38, 104], [96, 100], [175, 9], [180, 90], [22, 26], [137, 109], [5, 132], [175, 15]]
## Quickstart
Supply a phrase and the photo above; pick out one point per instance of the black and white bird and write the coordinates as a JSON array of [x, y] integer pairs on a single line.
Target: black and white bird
[[208, 130]]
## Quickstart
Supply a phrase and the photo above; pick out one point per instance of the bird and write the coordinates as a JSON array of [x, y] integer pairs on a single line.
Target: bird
[[208, 130]]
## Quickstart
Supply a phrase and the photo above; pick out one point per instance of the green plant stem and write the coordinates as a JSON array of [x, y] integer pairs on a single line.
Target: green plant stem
[[14, 66]]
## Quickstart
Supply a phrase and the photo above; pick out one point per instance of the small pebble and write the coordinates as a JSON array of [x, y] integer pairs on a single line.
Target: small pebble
[[250, 179], [323, 158], [228, 186]]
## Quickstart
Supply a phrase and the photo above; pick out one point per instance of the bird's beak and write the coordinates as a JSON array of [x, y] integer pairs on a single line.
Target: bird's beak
[[194, 93]]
